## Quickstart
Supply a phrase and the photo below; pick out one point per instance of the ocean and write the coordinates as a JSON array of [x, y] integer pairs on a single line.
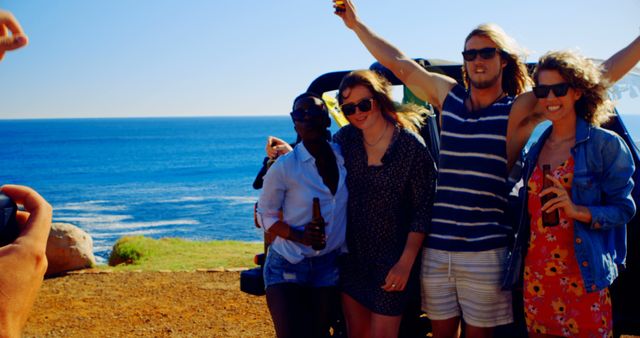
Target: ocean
[[158, 177]]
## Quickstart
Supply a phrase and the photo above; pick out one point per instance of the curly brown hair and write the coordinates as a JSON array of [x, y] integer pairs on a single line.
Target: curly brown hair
[[584, 76], [409, 116], [515, 75]]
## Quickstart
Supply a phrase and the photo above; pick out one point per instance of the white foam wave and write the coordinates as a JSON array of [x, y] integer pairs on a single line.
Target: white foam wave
[[98, 248], [183, 199], [126, 233], [235, 200], [93, 219], [89, 206], [162, 223], [135, 225]]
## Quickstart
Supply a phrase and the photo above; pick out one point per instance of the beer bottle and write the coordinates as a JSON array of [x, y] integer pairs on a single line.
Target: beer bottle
[[553, 218], [270, 162], [318, 222]]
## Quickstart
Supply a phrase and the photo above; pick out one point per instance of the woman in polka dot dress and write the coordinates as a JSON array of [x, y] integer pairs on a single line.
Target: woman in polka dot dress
[[391, 180]]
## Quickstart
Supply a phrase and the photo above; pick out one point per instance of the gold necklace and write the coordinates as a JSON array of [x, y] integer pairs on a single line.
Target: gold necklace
[[386, 125]]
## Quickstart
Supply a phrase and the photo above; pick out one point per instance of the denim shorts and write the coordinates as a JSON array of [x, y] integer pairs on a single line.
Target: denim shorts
[[320, 271]]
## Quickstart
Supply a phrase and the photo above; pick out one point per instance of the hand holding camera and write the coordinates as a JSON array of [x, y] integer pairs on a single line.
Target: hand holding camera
[[24, 262], [8, 225]]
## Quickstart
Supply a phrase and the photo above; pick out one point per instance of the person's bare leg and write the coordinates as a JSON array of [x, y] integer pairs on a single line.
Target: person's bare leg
[[285, 302], [478, 332], [321, 301], [385, 326], [357, 317], [446, 328]]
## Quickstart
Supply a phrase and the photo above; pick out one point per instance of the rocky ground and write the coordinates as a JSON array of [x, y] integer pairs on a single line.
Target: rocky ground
[[150, 304]]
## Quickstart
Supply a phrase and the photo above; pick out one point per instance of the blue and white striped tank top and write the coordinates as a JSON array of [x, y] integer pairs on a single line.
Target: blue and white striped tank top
[[471, 194]]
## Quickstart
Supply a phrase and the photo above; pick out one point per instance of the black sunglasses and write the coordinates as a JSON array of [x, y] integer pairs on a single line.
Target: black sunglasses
[[485, 53], [350, 108], [559, 90], [299, 114]]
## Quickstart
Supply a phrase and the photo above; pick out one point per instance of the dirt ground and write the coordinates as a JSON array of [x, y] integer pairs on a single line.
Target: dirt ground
[[149, 304]]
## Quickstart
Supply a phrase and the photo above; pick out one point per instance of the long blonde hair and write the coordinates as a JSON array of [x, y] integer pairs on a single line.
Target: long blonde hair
[[409, 116], [585, 76], [515, 76]]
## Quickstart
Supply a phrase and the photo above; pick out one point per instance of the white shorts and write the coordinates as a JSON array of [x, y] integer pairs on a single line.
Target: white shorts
[[466, 283]]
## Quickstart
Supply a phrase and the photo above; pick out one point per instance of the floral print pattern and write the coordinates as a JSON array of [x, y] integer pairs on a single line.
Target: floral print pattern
[[555, 299]]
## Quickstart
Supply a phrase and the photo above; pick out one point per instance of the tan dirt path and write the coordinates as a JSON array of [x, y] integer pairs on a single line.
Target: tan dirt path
[[148, 304]]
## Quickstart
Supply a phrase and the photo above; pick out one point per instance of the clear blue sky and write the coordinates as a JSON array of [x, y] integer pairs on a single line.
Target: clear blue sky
[[114, 58]]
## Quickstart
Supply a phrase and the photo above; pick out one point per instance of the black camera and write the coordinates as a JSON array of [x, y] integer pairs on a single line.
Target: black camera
[[9, 230]]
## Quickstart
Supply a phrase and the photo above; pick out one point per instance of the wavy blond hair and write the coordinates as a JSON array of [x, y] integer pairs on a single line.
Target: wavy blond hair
[[584, 76], [409, 116], [515, 75]]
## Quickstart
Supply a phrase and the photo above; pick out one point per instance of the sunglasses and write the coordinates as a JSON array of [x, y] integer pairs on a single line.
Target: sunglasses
[[485, 53], [299, 114], [350, 108], [559, 90]]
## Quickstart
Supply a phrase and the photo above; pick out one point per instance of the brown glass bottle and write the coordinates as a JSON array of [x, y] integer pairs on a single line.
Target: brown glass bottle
[[549, 219], [318, 221]]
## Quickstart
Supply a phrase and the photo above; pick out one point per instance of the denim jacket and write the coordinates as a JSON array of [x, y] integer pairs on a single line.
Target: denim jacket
[[601, 182]]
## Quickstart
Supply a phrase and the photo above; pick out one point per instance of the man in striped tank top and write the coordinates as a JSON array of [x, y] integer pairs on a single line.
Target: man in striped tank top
[[481, 138]]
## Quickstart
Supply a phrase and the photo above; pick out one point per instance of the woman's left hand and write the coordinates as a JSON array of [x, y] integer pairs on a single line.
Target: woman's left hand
[[397, 277], [562, 199]]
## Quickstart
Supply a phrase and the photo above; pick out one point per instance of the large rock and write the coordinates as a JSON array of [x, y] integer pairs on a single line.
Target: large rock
[[69, 248]]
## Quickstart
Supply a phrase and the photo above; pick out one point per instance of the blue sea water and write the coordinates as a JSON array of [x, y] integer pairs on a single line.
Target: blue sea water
[[158, 177]]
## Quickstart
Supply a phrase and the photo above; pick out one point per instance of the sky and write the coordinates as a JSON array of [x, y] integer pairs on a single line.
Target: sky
[[139, 58]]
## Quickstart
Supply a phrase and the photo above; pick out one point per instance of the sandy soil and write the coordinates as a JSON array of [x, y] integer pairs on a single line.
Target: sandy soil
[[150, 304]]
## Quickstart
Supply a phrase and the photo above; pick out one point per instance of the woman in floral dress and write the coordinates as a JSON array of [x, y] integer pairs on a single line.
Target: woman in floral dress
[[568, 267]]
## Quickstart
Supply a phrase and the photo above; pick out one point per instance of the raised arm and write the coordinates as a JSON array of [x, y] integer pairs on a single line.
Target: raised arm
[[621, 62], [523, 119], [276, 147], [11, 34], [428, 86]]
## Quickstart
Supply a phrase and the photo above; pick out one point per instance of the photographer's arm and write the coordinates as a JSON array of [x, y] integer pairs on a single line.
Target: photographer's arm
[[23, 263]]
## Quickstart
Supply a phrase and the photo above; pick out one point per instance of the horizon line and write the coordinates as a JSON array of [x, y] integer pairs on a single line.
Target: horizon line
[[133, 117]]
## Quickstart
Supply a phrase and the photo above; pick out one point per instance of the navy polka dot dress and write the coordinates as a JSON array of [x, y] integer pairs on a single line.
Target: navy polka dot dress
[[385, 203]]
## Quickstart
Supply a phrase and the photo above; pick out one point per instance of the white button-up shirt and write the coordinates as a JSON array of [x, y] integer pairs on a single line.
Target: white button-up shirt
[[291, 184]]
